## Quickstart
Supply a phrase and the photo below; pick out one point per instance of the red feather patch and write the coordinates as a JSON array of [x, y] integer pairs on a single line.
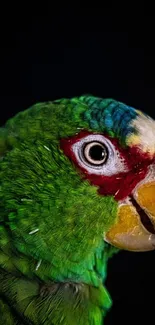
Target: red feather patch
[[121, 184]]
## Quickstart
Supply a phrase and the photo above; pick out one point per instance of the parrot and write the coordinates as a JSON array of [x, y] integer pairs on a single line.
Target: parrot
[[77, 186]]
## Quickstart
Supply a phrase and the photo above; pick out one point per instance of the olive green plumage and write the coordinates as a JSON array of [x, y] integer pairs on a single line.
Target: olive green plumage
[[52, 255]]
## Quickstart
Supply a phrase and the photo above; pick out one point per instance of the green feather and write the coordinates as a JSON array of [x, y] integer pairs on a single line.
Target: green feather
[[52, 222]]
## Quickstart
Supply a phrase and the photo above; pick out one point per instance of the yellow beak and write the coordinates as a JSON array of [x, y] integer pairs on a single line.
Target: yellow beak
[[129, 232]]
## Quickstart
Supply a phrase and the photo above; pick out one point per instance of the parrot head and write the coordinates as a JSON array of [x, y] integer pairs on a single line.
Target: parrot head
[[77, 176], [120, 160]]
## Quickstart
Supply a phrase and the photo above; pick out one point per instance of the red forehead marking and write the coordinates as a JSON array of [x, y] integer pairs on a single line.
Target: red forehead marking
[[119, 185]]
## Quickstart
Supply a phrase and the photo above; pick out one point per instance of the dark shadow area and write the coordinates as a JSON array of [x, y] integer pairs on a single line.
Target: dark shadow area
[[68, 53]]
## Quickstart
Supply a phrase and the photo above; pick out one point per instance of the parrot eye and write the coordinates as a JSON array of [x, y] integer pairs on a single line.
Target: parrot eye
[[95, 153]]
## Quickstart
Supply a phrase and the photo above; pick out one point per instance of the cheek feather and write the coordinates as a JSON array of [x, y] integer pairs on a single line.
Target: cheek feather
[[122, 185]]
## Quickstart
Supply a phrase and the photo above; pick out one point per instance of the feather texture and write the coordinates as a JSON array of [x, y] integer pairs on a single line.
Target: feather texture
[[53, 259]]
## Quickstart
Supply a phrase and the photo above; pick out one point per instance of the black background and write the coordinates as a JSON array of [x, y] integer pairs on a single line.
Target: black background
[[49, 53]]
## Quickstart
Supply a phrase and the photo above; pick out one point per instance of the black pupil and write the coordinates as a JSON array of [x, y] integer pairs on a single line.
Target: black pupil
[[97, 152]]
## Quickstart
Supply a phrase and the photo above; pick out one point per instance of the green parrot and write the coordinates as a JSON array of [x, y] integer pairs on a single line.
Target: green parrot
[[77, 186]]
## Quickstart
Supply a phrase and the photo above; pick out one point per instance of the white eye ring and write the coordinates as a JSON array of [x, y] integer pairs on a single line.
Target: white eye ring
[[96, 149], [112, 165]]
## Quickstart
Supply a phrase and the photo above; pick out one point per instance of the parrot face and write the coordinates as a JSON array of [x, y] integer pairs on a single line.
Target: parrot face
[[76, 175], [128, 174]]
